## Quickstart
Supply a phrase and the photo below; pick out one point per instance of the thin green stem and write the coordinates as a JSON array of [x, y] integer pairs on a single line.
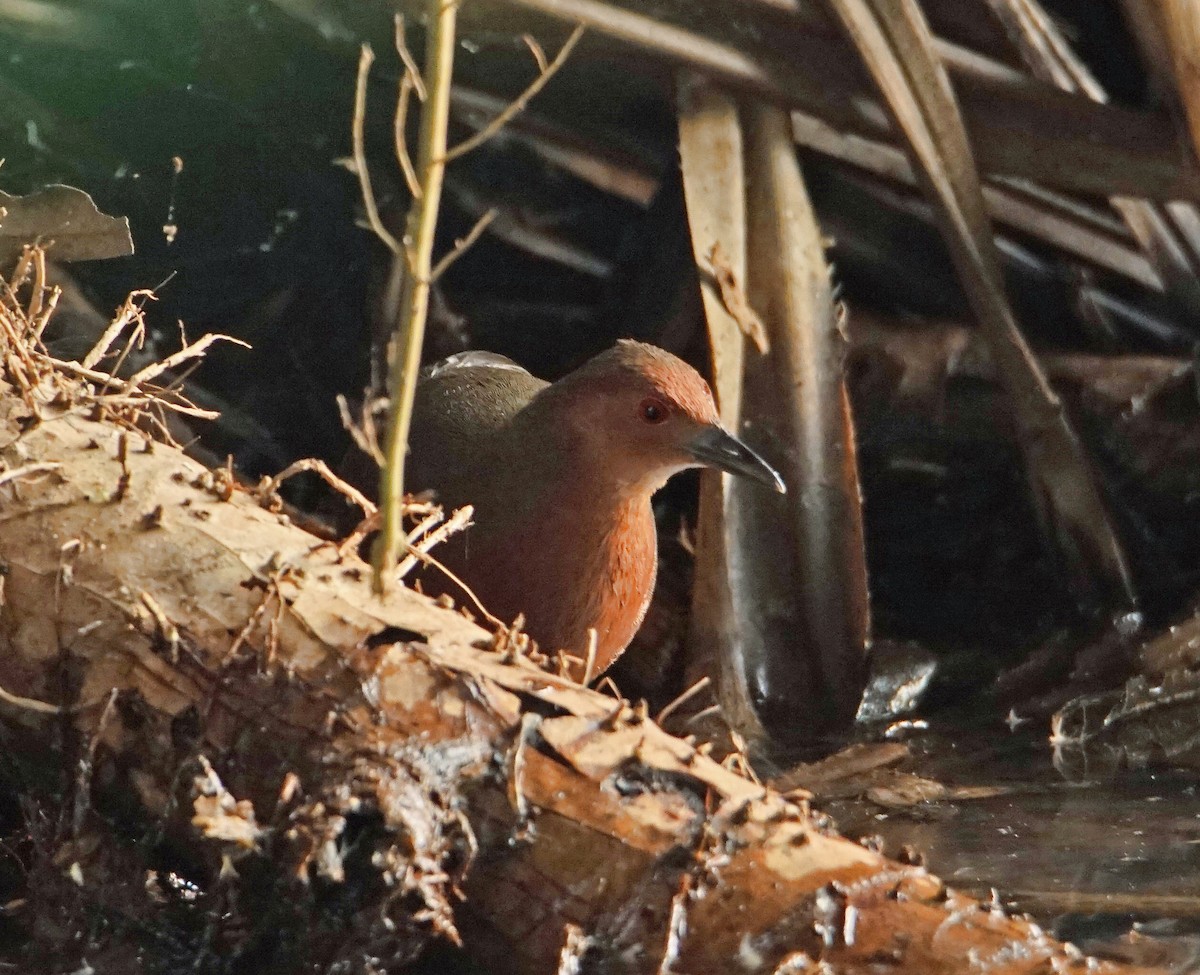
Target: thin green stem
[[414, 297]]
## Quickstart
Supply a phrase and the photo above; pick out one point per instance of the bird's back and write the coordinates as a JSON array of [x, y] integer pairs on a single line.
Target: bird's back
[[463, 408]]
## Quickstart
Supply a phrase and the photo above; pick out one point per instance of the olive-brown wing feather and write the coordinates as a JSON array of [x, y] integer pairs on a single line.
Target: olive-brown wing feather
[[463, 409]]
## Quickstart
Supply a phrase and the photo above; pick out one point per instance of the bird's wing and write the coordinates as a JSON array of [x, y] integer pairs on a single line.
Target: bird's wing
[[460, 423]]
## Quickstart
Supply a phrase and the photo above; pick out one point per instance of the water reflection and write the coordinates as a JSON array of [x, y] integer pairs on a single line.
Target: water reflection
[[1096, 861]]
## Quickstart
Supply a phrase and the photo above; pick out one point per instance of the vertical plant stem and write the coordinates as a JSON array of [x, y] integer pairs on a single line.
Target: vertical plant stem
[[405, 359], [799, 392], [714, 189]]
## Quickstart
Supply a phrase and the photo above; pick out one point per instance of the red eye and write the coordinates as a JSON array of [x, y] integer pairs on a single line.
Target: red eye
[[653, 410]]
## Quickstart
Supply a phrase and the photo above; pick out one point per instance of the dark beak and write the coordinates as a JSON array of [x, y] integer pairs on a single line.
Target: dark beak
[[713, 447]]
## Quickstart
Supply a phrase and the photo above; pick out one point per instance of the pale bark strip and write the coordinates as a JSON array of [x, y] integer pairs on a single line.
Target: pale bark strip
[[805, 380], [712, 164], [1180, 22], [751, 572]]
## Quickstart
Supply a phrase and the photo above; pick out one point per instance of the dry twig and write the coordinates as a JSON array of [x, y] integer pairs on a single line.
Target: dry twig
[[129, 312], [196, 350], [320, 468], [410, 81], [28, 703], [682, 699], [420, 545], [463, 244], [589, 664], [358, 147], [410, 63], [27, 470], [362, 432], [517, 105]]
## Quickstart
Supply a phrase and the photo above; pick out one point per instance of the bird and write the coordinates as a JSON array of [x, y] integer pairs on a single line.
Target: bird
[[561, 476]]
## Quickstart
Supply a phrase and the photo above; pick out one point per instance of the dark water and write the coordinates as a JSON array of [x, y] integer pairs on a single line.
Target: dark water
[[1094, 861]]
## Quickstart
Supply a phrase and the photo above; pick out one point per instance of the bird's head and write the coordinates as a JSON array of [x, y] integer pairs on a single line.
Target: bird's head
[[645, 414]]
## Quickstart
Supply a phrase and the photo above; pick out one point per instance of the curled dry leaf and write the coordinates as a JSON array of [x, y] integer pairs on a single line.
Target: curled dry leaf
[[66, 220]]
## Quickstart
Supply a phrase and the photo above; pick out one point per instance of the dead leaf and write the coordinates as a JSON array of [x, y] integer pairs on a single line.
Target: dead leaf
[[801, 393], [66, 220], [902, 790], [735, 301], [220, 816], [1166, 243]]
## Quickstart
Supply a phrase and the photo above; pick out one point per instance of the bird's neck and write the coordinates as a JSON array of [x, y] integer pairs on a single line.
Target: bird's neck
[[620, 511], [618, 566], [600, 540], [614, 515], [590, 531]]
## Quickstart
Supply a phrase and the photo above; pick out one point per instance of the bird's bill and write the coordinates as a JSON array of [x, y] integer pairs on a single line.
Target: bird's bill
[[714, 447]]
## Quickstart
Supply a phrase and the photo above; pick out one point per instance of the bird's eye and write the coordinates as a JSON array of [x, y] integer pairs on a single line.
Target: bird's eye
[[653, 410]]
